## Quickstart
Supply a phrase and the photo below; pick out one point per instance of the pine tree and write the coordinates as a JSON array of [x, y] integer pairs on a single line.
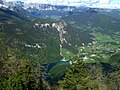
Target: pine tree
[[17, 74], [113, 79], [22, 80], [8, 62], [97, 80], [75, 78], [3, 49]]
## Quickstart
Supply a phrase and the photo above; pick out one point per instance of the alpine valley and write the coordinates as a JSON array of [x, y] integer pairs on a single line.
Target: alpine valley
[[50, 38]]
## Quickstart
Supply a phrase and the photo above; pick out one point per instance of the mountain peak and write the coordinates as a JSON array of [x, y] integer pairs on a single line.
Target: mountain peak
[[112, 4]]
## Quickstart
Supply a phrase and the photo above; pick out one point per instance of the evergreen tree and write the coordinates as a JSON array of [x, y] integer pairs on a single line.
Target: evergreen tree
[[113, 79], [97, 80], [18, 74], [3, 49], [24, 79], [75, 78], [8, 63]]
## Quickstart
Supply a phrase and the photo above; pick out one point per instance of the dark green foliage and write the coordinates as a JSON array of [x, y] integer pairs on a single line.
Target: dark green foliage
[[8, 62], [113, 79], [21, 66], [17, 74], [91, 77], [22, 80], [7, 59], [115, 58], [25, 79], [75, 78], [97, 79], [82, 77], [3, 49]]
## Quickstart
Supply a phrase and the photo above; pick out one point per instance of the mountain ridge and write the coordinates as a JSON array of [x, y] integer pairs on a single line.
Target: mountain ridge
[[108, 4]]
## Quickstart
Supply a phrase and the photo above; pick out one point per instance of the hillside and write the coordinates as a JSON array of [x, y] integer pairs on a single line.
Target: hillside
[[52, 42]]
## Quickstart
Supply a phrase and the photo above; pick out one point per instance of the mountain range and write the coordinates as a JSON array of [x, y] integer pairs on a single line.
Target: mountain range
[[48, 10], [111, 4]]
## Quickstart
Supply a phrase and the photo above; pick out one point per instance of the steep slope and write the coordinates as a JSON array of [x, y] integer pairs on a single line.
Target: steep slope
[[28, 41], [55, 42], [94, 36]]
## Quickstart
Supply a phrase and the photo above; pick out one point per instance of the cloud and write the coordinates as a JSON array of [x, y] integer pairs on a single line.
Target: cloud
[[92, 3], [104, 1], [62, 1]]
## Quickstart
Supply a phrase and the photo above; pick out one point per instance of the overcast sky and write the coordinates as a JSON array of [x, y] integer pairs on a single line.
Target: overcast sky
[[92, 3]]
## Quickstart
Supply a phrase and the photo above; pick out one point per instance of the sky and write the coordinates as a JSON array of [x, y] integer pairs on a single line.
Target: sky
[[91, 3]]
